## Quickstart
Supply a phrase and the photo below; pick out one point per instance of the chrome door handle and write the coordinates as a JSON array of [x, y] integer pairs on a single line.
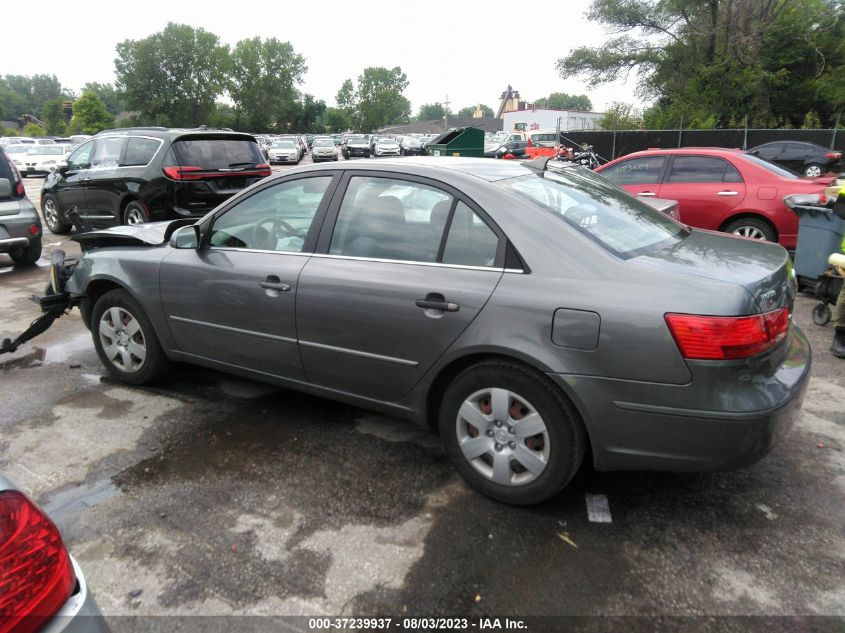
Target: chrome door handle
[[443, 306], [646, 194], [728, 193], [273, 283]]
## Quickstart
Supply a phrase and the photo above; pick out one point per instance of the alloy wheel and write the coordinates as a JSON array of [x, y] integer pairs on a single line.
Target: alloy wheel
[[134, 215], [749, 231], [122, 339], [813, 171], [51, 213], [503, 437]]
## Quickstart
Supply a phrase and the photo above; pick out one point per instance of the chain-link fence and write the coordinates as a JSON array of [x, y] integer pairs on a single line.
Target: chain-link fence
[[610, 144]]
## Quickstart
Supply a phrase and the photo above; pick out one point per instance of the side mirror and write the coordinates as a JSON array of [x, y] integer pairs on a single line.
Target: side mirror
[[187, 237], [5, 188], [62, 168]]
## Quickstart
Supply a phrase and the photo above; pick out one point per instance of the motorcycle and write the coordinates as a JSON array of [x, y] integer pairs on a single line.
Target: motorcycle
[[586, 156]]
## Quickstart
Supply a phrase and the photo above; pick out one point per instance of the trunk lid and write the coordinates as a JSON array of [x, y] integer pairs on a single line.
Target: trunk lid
[[762, 268]]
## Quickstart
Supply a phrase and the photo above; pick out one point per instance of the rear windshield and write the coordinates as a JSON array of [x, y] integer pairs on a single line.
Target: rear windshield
[[216, 153], [775, 169], [600, 210]]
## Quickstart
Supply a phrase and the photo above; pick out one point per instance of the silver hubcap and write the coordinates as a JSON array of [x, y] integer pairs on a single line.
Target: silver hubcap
[[749, 231], [51, 213], [122, 340], [134, 215], [503, 437], [813, 171]]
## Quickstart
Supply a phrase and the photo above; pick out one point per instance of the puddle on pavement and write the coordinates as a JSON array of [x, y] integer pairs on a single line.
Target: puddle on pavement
[[34, 359], [65, 506], [69, 349]]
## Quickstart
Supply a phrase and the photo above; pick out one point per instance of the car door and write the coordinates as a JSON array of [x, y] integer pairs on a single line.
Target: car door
[[70, 186], [707, 189], [403, 266], [233, 300], [103, 186], [640, 176]]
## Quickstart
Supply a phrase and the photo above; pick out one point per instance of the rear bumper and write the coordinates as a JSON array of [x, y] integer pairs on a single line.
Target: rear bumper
[[80, 614], [711, 423], [14, 231]]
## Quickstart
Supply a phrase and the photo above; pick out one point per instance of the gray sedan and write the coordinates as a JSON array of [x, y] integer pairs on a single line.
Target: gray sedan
[[530, 313]]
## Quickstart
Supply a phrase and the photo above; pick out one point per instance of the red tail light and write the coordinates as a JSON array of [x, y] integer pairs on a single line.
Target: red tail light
[[263, 169], [182, 173], [726, 338], [833, 155], [36, 575]]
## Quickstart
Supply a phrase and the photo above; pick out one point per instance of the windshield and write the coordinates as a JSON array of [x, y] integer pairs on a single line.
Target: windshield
[[386, 141], [324, 142], [598, 209], [44, 151], [500, 137], [412, 141], [775, 169], [18, 149], [284, 145]]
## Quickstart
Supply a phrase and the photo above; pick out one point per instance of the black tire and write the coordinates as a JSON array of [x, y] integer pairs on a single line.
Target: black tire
[[814, 170], [155, 364], [28, 255], [53, 215], [567, 438], [135, 213], [753, 226], [822, 313]]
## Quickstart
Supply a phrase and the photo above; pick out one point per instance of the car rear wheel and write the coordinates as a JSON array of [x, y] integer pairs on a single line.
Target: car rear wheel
[[28, 255], [135, 213], [752, 228], [511, 433], [813, 171], [125, 339], [53, 215]]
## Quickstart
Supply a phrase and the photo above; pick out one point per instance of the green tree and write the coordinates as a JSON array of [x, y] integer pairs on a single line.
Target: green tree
[[54, 117], [33, 129], [469, 111], [310, 115], [108, 95], [772, 60], [377, 100], [264, 76], [564, 101], [621, 116], [90, 115], [173, 77], [20, 94], [431, 112], [336, 120]]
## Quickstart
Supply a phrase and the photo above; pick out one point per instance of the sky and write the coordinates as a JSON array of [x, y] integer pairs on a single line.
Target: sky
[[469, 51]]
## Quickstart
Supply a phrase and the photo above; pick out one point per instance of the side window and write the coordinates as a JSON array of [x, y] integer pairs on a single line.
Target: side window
[[387, 218], [470, 241], [637, 171], [107, 153], [140, 151], [698, 169], [731, 174], [275, 219], [81, 158]]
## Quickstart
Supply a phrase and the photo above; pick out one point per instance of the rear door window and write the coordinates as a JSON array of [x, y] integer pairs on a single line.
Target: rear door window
[[694, 169], [216, 154], [470, 241], [107, 153], [140, 151]]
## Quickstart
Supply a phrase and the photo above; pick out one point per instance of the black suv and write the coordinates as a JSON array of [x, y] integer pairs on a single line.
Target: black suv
[[135, 175]]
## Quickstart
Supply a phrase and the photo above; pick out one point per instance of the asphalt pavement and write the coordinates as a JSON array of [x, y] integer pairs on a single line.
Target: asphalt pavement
[[216, 495]]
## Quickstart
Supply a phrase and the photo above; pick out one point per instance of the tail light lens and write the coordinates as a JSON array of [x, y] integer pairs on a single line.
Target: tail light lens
[[833, 155], [192, 172], [36, 575], [727, 338], [183, 173]]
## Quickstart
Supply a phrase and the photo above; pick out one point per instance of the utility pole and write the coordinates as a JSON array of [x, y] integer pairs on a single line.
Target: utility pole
[[445, 105]]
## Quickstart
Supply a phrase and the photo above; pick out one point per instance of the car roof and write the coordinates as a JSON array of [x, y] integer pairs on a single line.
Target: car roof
[[434, 166], [174, 133]]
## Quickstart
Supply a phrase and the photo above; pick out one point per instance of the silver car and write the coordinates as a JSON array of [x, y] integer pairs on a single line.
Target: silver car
[[43, 587], [531, 314]]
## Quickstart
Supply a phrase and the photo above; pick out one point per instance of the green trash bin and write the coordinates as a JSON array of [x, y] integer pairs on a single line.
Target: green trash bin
[[459, 141]]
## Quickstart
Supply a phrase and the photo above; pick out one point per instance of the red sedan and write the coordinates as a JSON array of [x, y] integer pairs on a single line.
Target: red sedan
[[718, 189]]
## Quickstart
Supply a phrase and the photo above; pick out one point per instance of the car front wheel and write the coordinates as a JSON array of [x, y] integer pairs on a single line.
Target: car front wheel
[[125, 339], [511, 433]]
